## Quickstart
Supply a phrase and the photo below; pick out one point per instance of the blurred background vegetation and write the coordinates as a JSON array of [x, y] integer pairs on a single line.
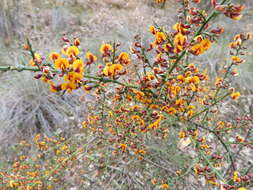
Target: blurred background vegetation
[[27, 107]]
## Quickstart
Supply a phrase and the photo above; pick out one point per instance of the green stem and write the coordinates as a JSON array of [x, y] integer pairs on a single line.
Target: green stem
[[213, 104], [211, 165], [35, 69], [244, 143], [19, 68]]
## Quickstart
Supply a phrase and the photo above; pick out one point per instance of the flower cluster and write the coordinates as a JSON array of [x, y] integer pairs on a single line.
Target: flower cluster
[[160, 95]]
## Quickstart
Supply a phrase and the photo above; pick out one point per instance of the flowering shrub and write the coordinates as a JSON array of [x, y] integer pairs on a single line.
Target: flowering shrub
[[142, 105]]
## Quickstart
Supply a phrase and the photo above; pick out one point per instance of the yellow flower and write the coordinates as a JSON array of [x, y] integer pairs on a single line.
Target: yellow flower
[[135, 117], [78, 66], [201, 47], [194, 80], [236, 59], [105, 49], [179, 42], [12, 183], [180, 28], [159, 1], [239, 138], [164, 186], [73, 77], [181, 78], [182, 134], [38, 59], [235, 95], [235, 177], [204, 146], [72, 51], [91, 58], [123, 58], [206, 44], [160, 37], [152, 30], [212, 180], [53, 56], [155, 124], [242, 188], [69, 86], [150, 76], [111, 69], [32, 174], [61, 63], [197, 49], [169, 110], [179, 102], [238, 17], [28, 187]]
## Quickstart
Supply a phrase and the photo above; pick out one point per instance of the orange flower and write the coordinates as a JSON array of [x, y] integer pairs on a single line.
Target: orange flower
[[53, 56], [169, 110], [78, 66], [212, 180], [156, 123], [182, 134], [69, 86], [201, 47], [164, 186], [61, 63], [123, 147], [239, 138], [72, 51], [112, 69], [237, 41], [206, 44], [181, 78], [159, 1], [91, 58], [105, 49], [234, 11], [236, 59], [123, 58], [194, 80], [160, 38], [150, 76], [55, 88], [152, 30], [197, 49], [73, 77], [179, 102], [179, 42], [180, 28], [235, 95]]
